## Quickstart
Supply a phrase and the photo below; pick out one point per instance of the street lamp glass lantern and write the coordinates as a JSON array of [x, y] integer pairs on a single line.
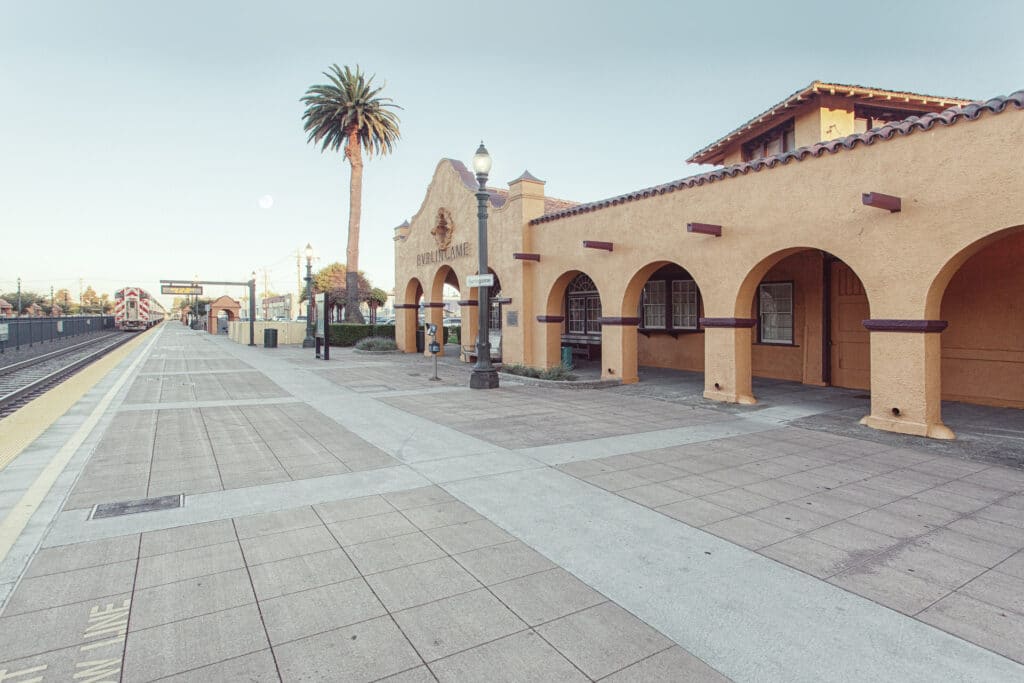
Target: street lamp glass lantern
[[309, 251], [482, 160]]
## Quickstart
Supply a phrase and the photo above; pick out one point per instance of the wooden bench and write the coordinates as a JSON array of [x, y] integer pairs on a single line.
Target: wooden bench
[[584, 345]]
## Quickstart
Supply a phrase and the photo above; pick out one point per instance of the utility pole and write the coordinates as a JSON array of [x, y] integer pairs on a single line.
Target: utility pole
[[19, 297], [80, 302], [51, 301]]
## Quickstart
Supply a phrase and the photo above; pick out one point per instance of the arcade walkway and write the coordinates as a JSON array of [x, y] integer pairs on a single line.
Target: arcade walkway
[[352, 520]]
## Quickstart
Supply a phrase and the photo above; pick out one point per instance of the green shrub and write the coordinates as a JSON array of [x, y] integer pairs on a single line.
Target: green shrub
[[454, 334], [347, 334], [557, 373], [376, 344]]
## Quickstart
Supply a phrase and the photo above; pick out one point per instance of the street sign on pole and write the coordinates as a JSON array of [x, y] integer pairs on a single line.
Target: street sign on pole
[[486, 280], [182, 290]]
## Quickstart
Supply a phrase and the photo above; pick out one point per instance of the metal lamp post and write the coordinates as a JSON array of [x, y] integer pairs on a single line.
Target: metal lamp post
[[484, 375], [309, 342], [252, 310]]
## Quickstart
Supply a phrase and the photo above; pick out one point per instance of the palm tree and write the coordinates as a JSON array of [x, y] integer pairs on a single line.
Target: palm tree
[[348, 113]]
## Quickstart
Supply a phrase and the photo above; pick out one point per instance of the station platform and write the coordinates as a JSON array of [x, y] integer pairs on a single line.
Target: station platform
[[353, 520]]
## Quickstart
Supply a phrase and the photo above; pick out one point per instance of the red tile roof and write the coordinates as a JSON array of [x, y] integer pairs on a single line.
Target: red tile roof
[[892, 97], [950, 117], [499, 197]]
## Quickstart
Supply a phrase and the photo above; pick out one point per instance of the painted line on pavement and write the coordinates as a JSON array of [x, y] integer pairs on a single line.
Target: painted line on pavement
[[14, 523]]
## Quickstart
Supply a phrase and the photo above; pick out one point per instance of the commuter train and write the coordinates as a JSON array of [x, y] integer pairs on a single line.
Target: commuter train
[[135, 309]]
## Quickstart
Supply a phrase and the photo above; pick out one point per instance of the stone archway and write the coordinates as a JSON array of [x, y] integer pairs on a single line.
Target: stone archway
[[222, 304], [977, 294], [407, 316], [669, 307]]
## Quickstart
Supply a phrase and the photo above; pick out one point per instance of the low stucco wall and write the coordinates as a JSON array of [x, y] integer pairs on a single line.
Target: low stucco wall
[[287, 332]]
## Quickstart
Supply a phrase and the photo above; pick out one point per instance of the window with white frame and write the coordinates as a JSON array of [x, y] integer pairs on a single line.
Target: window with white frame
[[654, 304], [685, 305], [776, 312], [577, 315]]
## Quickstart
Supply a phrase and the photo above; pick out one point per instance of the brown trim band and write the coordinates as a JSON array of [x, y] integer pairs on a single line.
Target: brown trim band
[[594, 244], [469, 302], [550, 318], [406, 306], [705, 229], [618, 321], [728, 322], [921, 326], [523, 256], [434, 304]]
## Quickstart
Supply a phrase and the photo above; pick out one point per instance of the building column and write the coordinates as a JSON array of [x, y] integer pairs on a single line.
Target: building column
[[470, 309], [433, 313], [906, 377], [618, 349], [727, 374], [405, 327]]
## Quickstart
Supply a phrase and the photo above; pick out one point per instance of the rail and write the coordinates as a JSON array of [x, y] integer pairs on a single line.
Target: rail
[[38, 374]]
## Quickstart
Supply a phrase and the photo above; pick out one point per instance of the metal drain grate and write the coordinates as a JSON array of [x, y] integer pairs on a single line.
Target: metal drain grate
[[131, 507]]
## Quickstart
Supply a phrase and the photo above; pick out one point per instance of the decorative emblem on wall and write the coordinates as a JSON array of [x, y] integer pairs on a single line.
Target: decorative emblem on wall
[[444, 229]]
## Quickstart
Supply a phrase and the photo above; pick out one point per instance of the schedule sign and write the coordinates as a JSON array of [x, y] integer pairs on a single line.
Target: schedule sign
[[182, 290]]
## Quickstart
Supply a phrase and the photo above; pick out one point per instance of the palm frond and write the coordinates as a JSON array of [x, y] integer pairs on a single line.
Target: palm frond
[[350, 102]]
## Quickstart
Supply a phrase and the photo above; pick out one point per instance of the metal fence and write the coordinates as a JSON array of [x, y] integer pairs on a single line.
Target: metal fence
[[18, 332]]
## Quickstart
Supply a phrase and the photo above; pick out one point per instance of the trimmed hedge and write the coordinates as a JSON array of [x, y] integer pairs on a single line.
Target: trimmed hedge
[[347, 334]]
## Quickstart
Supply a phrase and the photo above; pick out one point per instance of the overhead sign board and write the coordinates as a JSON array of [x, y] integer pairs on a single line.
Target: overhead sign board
[[182, 290], [480, 280]]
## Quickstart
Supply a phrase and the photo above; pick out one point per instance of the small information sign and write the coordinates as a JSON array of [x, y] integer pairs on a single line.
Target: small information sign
[[486, 280], [182, 290]]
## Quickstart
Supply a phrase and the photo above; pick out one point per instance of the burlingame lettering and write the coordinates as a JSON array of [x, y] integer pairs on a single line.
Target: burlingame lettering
[[441, 255]]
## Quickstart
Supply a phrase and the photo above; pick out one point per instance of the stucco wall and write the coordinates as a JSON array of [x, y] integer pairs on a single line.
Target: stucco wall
[[960, 186], [983, 348]]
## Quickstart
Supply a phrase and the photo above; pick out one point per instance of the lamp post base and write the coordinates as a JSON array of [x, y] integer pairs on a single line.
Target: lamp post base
[[308, 343], [484, 379]]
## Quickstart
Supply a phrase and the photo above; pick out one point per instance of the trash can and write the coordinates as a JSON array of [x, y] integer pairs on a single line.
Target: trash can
[[420, 344], [270, 338], [567, 357]]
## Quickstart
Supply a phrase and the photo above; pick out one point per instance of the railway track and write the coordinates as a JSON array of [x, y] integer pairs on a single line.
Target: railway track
[[21, 382]]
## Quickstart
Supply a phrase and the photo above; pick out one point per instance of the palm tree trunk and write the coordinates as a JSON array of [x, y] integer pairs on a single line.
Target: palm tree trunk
[[355, 208]]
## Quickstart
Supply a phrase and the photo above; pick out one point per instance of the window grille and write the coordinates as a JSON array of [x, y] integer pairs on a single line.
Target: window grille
[[685, 305], [654, 304], [776, 312]]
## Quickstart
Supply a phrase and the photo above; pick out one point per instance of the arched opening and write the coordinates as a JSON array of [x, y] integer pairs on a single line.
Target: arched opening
[[573, 321], [805, 308], [979, 294], [445, 310], [669, 307], [407, 316]]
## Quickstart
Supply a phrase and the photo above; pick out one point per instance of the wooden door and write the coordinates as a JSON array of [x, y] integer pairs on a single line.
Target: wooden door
[[851, 349]]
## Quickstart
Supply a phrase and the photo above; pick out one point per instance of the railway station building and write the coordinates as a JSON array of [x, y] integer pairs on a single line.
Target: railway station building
[[848, 236]]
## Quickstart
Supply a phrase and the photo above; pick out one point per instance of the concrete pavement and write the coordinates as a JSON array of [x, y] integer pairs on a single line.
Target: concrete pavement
[[351, 520]]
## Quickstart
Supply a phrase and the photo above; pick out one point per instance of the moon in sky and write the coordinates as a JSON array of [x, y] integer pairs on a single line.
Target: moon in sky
[[266, 201]]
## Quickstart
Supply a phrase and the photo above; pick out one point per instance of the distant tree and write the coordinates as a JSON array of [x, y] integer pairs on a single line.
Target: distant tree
[[378, 296], [62, 297], [348, 113], [28, 297], [334, 280]]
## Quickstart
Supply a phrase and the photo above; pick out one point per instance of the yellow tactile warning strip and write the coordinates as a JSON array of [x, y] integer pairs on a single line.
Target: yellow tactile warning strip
[[16, 520], [24, 426]]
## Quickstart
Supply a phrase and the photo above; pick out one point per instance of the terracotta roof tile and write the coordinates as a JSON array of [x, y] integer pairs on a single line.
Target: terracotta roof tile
[[949, 117], [815, 88]]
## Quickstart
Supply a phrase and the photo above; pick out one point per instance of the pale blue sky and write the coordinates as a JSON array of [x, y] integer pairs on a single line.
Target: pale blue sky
[[137, 137]]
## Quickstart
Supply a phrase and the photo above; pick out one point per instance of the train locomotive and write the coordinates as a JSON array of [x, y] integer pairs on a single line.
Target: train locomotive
[[136, 310]]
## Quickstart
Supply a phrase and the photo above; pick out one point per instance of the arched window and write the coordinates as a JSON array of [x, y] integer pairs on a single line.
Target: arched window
[[583, 306]]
